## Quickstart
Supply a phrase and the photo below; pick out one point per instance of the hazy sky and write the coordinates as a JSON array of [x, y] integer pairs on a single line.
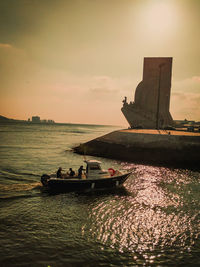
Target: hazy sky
[[75, 60]]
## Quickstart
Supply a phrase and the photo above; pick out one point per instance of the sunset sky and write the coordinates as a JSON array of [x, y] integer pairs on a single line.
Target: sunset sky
[[75, 60]]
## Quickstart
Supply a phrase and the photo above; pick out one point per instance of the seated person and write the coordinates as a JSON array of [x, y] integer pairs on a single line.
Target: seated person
[[71, 172], [59, 173]]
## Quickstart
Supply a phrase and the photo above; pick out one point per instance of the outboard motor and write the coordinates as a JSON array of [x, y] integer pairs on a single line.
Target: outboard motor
[[44, 179]]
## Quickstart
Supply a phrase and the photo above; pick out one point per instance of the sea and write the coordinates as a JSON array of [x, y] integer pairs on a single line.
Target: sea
[[153, 220]]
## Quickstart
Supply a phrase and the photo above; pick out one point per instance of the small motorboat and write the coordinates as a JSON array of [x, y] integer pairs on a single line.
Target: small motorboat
[[94, 178]]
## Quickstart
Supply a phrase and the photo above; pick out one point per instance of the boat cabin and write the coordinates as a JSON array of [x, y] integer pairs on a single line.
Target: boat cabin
[[94, 170]]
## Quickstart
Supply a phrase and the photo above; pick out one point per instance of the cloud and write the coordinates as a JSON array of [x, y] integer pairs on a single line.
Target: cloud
[[187, 85], [5, 45], [110, 90], [17, 71], [185, 99], [196, 78]]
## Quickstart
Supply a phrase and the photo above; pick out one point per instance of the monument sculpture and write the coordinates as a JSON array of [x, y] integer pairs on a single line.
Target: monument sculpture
[[150, 109]]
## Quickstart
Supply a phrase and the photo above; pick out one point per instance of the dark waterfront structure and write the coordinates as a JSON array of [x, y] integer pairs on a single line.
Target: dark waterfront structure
[[155, 147], [150, 109]]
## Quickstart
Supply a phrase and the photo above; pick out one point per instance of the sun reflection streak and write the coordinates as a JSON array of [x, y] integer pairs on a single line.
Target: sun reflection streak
[[152, 218], [141, 229]]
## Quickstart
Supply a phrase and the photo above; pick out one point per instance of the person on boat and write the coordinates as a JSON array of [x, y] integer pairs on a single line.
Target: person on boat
[[71, 172], [59, 173], [80, 171]]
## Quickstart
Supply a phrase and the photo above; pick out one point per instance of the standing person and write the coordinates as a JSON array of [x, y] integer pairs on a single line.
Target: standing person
[[80, 171], [59, 173], [71, 172]]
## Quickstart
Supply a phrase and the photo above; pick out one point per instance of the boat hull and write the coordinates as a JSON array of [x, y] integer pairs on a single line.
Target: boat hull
[[66, 185]]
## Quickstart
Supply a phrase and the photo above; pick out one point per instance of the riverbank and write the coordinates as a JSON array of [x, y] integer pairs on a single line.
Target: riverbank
[[146, 146]]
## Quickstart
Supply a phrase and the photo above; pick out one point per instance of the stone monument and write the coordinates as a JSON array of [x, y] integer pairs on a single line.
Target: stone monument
[[150, 109]]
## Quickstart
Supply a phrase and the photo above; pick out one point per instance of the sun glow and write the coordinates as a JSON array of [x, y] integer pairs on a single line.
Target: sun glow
[[159, 19]]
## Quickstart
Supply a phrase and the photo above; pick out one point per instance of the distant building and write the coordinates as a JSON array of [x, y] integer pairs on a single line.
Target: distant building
[[36, 119], [51, 121]]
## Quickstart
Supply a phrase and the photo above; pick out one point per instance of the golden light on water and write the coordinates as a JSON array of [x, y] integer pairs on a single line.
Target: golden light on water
[[149, 219], [139, 228]]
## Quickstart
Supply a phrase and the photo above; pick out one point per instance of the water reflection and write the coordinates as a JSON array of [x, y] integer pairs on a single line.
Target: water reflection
[[155, 216]]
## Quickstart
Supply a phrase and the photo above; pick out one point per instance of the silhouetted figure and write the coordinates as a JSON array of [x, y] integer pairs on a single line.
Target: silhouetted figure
[[80, 171], [71, 172], [59, 173], [125, 100]]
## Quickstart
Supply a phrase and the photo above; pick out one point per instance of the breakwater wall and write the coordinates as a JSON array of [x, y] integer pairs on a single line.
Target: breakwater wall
[[156, 147]]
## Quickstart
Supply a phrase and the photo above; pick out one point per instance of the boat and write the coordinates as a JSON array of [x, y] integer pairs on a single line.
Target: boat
[[94, 178]]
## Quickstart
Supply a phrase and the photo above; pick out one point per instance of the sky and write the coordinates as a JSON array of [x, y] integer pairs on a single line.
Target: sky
[[75, 60]]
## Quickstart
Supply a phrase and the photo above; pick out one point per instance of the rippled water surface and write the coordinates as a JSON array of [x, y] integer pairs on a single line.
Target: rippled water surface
[[154, 220]]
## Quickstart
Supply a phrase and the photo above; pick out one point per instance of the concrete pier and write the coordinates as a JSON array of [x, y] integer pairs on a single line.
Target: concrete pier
[[156, 147]]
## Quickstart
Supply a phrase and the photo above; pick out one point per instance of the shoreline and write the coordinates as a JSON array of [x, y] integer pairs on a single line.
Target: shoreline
[[55, 123]]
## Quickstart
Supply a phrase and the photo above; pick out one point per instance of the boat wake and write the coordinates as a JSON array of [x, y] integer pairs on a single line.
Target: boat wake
[[13, 191]]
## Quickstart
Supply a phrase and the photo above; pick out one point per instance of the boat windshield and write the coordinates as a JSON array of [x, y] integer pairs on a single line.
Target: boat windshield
[[95, 167]]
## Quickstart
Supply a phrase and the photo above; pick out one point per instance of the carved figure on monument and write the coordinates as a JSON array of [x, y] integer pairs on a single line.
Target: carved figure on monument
[[124, 101], [150, 108]]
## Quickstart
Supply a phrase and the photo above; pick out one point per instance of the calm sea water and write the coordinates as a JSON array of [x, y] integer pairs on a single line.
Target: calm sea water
[[153, 221]]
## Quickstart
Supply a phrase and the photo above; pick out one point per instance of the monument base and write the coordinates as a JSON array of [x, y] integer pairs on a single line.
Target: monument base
[[154, 147]]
